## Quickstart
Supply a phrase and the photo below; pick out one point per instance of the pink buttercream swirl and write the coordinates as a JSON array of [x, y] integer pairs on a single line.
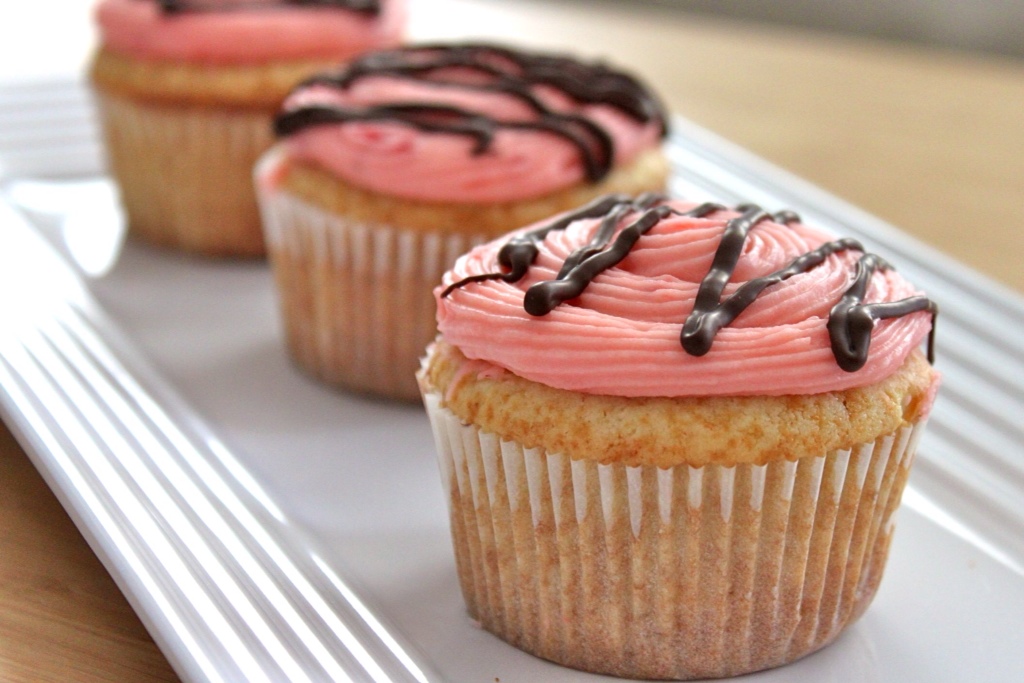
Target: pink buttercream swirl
[[243, 32], [623, 332], [470, 123]]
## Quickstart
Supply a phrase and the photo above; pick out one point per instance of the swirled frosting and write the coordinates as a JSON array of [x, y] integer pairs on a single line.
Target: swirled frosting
[[470, 123], [656, 297], [241, 32]]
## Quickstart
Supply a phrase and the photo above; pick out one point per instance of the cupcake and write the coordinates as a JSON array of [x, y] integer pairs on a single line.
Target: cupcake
[[389, 169], [673, 436], [187, 91]]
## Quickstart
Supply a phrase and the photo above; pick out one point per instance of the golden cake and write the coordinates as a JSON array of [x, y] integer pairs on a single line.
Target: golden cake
[[187, 92], [673, 435], [389, 169]]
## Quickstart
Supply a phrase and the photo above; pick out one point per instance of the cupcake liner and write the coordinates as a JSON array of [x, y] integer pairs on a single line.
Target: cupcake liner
[[185, 173], [356, 298], [673, 573]]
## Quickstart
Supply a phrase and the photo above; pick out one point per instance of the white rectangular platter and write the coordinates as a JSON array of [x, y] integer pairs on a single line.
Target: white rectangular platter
[[269, 529]]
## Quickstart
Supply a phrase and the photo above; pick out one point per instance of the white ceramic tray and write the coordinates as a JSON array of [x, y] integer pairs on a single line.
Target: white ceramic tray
[[268, 529]]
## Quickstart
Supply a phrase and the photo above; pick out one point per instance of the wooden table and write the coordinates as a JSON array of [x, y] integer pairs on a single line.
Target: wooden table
[[928, 140]]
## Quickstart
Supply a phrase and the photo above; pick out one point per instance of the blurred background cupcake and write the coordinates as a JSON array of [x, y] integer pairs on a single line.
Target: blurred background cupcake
[[389, 169], [673, 436], [187, 90]]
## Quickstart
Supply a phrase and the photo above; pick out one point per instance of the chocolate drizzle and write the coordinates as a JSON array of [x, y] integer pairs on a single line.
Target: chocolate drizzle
[[588, 262], [710, 314], [371, 7], [488, 68], [850, 322]]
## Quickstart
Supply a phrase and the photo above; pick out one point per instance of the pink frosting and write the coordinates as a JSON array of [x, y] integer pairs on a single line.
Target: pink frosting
[[622, 336], [401, 161], [246, 36]]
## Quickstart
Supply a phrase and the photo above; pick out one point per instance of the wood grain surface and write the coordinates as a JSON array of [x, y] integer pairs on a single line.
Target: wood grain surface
[[929, 140]]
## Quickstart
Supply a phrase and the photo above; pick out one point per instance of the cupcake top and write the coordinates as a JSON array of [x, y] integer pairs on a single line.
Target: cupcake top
[[470, 123], [651, 297], [244, 32]]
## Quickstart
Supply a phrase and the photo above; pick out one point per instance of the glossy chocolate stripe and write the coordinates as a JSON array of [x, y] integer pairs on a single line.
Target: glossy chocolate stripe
[[704, 322], [584, 82], [607, 229], [543, 297], [851, 321], [502, 71], [519, 253], [850, 324], [596, 152], [697, 335]]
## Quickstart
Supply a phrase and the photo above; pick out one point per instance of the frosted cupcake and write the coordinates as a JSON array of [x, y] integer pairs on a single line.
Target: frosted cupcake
[[673, 436], [187, 90], [391, 168]]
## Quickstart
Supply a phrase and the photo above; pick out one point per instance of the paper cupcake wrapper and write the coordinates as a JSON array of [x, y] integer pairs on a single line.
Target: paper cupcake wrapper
[[185, 173], [356, 298], [674, 573]]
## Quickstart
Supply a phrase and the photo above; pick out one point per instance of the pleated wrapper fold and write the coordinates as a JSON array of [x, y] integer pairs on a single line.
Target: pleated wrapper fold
[[356, 298], [185, 172], [677, 573]]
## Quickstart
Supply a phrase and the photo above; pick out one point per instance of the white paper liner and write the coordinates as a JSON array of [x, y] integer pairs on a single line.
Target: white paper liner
[[185, 173], [674, 573], [356, 299]]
